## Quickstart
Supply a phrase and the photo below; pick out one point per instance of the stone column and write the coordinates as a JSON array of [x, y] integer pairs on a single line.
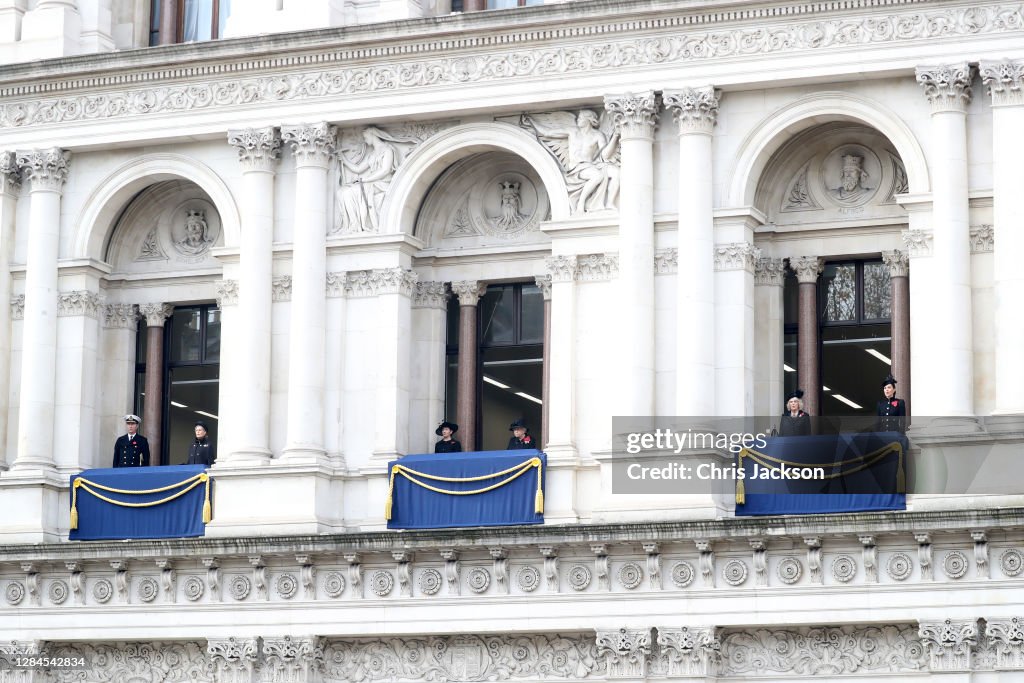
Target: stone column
[[46, 170], [948, 89], [153, 405], [258, 151], [469, 293], [334, 368], [695, 111], [230, 368], [74, 408], [807, 270], [561, 399], [168, 21], [117, 375], [473, 6], [734, 327], [1005, 81], [312, 147], [429, 314], [899, 270], [544, 282], [10, 186], [923, 356], [635, 116], [769, 279]]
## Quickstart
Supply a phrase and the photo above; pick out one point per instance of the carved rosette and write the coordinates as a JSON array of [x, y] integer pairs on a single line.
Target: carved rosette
[[258, 148], [919, 242], [982, 239], [898, 263], [1006, 637], [947, 86], [155, 314], [233, 659], [80, 302], [379, 281], [634, 115], [666, 261], [468, 291], [736, 256], [120, 316], [430, 295], [807, 268], [292, 659], [1004, 81], [281, 288], [227, 293], [45, 169], [949, 644], [593, 267], [544, 282], [694, 109], [10, 174], [689, 651], [562, 268], [625, 651], [769, 272], [312, 144]]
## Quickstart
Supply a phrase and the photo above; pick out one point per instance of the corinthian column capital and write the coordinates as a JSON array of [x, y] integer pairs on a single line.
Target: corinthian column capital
[[694, 109], [10, 174], [45, 169], [1004, 80], [634, 115], [947, 86], [258, 148], [807, 268], [312, 143]]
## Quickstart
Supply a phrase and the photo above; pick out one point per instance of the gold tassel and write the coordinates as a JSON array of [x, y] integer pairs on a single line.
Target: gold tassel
[[207, 509], [538, 502], [74, 518], [74, 504], [387, 507], [391, 492], [741, 490]]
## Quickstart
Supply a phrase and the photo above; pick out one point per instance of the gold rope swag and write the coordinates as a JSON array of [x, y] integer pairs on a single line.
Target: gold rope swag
[[866, 461], [514, 473], [190, 483]]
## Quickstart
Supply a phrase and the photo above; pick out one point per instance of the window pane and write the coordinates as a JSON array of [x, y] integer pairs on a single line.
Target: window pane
[[185, 335], [531, 3], [225, 11], [840, 283], [532, 316], [193, 394], [198, 20], [877, 292], [453, 323], [496, 311], [140, 342], [791, 299], [154, 22], [854, 359], [790, 381], [502, 4], [512, 388], [139, 404], [212, 335]]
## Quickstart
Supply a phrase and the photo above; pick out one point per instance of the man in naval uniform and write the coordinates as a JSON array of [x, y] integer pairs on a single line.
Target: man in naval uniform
[[131, 449], [892, 411]]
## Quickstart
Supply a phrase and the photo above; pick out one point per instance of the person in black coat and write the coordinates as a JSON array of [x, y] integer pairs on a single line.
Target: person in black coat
[[201, 451], [795, 422], [520, 438], [892, 411], [447, 444], [131, 449]]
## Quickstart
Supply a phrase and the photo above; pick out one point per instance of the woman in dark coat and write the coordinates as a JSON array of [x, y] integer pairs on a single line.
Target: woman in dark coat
[[891, 411], [520, 438], [201, 451], [795, 422], [447, 444]]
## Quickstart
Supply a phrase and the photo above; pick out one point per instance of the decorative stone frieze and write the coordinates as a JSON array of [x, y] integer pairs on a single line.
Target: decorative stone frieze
[[10, 173], [1004, 80], [694, 109], [233, 660], [468, 291], [380, 281], [281, 288], [562, 268], [312, 144], [155, 314], [45, 169], [597, 267], [666, 261], [625, 651], [120, 316], [18, 307], [80, 302], [258, 148], [736, 256], [919, 242], [949, 644], [336, 284], [634, 114], [807, 268], [947, 86], [293, 660], [982, 239], [769, 272], [227, 293], [688, 651], [897, 262], [430, 295]]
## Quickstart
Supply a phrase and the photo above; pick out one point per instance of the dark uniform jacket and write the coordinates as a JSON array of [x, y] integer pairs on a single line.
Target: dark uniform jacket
[[795, 426], [201, 453], [892, 415], [515, 444], [131, 451], [443, 446]]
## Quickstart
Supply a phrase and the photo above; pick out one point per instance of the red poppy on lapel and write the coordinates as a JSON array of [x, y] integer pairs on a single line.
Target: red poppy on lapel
[[894, 404]]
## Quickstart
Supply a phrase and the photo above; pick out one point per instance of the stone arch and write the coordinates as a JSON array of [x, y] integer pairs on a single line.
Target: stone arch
[[772, 133], [111, 195], [414, 179]]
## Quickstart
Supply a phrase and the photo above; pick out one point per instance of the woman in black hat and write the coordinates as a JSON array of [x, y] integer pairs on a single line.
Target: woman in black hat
[[795, 422], [892, 411], [520, 438], [201, 451], [447, 444]]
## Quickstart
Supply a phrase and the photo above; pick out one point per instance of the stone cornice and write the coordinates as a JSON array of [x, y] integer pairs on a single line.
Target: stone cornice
[[564, 40]]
